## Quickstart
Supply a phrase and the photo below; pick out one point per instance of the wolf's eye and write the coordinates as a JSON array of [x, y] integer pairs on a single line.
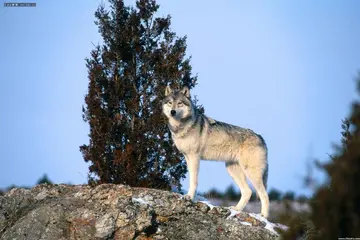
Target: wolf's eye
[[169, 103], [180, 103]]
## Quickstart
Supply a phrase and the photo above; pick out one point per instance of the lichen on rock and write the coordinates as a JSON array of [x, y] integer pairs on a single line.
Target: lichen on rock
[[111, 211]]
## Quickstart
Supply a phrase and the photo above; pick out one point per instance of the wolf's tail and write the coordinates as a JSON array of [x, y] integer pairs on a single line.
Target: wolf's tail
[[266, 170], [265, 175]]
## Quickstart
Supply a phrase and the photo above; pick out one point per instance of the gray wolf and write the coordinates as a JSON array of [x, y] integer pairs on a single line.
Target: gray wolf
[[200, 137]]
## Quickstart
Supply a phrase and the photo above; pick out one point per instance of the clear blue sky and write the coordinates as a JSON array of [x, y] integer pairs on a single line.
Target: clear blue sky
[[283, 68]]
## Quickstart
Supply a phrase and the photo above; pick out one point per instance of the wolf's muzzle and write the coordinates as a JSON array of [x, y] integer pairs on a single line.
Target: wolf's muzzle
[[173, 112]]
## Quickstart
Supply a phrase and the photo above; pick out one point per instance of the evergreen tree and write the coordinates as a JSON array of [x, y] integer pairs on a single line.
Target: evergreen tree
[[346, 134], [289, 195], [231, 194], [302, 199], [336, 204], [274, 195], [44, 179], [140, 56], [213, 193]]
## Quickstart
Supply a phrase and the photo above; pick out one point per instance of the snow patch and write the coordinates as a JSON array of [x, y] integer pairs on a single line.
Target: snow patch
[[282, 227], [140, 200], [246, 223], [208, 203], [233, 213], [197, 198], [269, 225], [202, 199]]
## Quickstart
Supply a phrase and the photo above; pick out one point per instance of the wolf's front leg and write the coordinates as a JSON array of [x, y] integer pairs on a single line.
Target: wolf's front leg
[[192, 162]]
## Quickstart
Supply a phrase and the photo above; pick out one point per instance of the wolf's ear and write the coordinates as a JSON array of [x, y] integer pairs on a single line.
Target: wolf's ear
[[168, 90], [186, 91]]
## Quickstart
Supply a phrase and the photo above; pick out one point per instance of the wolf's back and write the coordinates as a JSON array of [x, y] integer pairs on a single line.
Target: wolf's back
[[243, 134]]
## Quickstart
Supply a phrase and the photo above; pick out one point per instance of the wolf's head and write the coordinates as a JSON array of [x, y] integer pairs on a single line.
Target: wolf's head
[[177, 105]]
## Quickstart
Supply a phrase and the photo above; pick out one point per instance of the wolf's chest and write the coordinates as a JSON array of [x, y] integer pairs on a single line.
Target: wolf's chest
[[186, 144]]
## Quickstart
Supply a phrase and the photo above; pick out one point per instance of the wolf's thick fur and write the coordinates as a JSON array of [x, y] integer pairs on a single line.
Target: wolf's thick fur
[[200, 137]]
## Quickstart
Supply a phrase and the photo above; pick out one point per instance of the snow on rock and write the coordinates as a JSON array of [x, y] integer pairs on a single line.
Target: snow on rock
[[235, 214], [208, 203], [269, 225], [117, 211], [140, 200], [246, 223], [202, 199], [240, 216]]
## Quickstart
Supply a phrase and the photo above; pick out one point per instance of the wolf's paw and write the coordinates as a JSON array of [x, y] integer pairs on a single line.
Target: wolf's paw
[[235, 208], [188, 197]]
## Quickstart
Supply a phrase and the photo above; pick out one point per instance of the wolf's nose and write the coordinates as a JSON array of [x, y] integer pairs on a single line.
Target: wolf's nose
[[173, 112]]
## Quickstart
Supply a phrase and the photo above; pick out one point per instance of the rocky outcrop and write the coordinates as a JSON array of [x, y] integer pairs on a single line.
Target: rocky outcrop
[[120, 212], [277, 208]]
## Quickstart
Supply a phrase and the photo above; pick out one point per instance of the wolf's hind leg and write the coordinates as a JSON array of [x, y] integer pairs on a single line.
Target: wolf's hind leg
[[239, 177], [255, 176]]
